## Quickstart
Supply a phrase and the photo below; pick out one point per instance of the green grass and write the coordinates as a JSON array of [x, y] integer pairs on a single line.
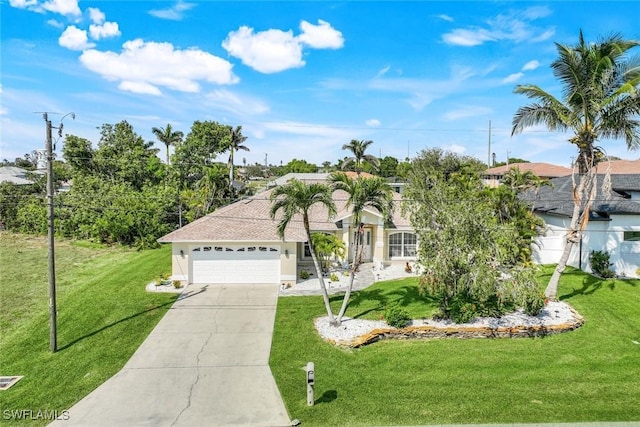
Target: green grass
[[590, 374], [104, 314]]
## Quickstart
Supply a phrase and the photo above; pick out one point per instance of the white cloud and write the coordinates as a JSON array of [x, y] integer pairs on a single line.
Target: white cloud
[[268, 51], [445, 17], [75, 39], [174, 13], [512, 77], [531, 65], [55, 23], [96, 15], [383, 71], [463, 37], [63, 7], [106, 30], [454, 148], [373, 122], [466, 112], [235, 103], [515, 26], [145, 67], [321, 36], [274, 50]]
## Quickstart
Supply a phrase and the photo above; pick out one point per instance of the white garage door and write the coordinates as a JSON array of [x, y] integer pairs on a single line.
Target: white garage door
[[235, 264]]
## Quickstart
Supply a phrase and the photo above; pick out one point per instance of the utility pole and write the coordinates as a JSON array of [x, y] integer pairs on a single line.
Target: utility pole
[[489, 149], [53, 314], [53, 333]]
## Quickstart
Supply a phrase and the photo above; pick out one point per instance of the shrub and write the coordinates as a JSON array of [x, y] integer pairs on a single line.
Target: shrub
[[397, 317], [304, 275], [334, 277], [600, 264]]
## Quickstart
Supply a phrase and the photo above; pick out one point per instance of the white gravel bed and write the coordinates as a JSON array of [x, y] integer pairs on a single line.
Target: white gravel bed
[[554, 313]]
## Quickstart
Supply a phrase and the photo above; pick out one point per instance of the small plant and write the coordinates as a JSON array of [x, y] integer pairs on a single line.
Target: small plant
[[600, 264], [177, 284], [304, 275], [345, 273], [334, 277], [397, 317]]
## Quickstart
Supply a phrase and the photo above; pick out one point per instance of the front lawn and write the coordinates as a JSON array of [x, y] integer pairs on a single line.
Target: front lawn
[[104, 314], [590, 374]]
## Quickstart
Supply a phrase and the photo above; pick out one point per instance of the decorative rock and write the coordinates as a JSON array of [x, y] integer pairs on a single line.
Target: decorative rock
[[557, 317]]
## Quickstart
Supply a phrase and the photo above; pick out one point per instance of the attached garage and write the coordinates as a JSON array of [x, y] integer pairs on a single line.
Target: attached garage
[[235, 264]]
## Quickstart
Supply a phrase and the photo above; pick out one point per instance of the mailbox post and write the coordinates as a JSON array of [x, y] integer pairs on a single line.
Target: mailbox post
[[311, 380]]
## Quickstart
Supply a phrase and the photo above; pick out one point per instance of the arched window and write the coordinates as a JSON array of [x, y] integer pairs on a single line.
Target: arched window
[[402, 245]]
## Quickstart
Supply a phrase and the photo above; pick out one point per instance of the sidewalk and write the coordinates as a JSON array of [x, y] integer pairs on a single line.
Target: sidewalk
[[205, 363]]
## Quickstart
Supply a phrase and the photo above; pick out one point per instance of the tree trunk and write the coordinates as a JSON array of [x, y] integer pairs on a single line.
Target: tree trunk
[[357, 258], [316, 264], [579, 220], [231, 169]]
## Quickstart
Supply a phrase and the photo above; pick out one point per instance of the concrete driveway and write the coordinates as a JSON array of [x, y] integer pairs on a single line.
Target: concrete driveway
[[205, 364]]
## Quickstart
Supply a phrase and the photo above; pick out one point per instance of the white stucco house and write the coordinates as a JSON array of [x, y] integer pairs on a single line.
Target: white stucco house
[[614, 224], [239, 243]]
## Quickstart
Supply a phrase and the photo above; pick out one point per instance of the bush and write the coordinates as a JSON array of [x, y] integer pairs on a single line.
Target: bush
[[600, 264], [334, 277], [397, 317], [304, 275]]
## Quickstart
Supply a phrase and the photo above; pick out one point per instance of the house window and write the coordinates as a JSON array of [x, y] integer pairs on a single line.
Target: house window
[[402, 245], [196, 250], [632, 236]]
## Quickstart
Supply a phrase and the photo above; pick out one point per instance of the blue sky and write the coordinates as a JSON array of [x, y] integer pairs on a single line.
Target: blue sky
[[302, 78]]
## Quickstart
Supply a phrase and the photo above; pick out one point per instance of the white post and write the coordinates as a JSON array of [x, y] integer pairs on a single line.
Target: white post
[[311, 379]]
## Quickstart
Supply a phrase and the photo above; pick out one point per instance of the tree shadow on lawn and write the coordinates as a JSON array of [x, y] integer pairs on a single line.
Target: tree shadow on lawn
[[591, 284], [133, 316], [380, 299]]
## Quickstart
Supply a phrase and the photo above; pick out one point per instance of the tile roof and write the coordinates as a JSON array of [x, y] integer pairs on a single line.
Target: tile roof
[[617, 167], [558, 198], [248, 220], [543, 170]]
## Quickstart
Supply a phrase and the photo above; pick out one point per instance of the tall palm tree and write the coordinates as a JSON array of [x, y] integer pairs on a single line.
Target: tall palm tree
[[296, 198], [168, 137], [362, 193], [358, 149], [600, 100], [235, 143]]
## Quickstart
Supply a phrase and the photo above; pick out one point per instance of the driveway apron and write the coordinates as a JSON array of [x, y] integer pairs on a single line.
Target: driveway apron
[[206, 363]]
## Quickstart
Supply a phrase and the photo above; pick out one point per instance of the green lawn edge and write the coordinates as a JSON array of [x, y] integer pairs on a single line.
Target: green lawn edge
[[589, 374], [104, 314]]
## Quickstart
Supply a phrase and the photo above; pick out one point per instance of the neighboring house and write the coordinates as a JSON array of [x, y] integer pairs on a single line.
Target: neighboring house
[[493, 177], [614, 223], [16, 175], [239, 243]]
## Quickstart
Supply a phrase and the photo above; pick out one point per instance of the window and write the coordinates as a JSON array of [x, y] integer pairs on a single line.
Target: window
[[632, 236], [402, 245], [196, 250], [218, 248], [207, 248]]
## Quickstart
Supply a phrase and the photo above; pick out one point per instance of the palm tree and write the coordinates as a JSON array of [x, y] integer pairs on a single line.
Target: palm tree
[[358, 149], [235, 143], [362, 193], [168, 137], [296, 198], [600, 100]]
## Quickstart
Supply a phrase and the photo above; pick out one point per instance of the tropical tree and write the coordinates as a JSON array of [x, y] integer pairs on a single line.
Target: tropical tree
[[168, 137], [520, 181], [235, 143], [599, 100], [327, 246], [295, 199], [361, 193], [358, 148]]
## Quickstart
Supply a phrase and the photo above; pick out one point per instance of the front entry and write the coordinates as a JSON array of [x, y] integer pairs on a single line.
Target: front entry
[[365, 242]]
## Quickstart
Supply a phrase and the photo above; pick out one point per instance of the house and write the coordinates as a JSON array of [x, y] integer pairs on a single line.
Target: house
[[492, 177], [16, 175], [614, 223], [239, 243]]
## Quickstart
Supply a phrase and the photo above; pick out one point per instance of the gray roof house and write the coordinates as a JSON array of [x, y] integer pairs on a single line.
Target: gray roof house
[[614, 223], [239, 243]]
